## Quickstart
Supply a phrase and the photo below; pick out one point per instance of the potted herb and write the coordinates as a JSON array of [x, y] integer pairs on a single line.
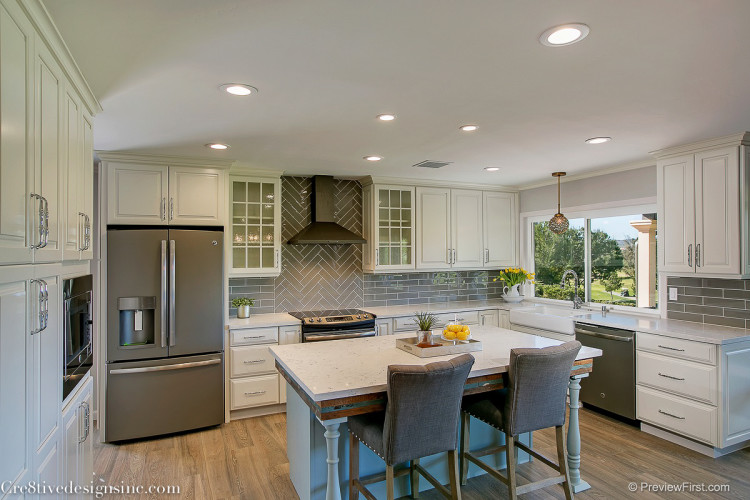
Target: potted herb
[[425, 321], [243, 305]]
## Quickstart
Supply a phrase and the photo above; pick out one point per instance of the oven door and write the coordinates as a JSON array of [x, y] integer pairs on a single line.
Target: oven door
[[319, 336]]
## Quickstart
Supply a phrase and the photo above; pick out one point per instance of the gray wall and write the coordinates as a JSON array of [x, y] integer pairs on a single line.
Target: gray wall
[[627, 185]]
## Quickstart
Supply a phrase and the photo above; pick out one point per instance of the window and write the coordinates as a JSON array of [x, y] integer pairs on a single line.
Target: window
[[614, 257]]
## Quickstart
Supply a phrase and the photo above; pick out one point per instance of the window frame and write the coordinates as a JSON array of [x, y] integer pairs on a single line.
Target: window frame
[[586, 213]]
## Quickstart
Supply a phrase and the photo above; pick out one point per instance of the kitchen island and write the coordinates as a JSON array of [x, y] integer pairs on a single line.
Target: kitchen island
[[330, 381]]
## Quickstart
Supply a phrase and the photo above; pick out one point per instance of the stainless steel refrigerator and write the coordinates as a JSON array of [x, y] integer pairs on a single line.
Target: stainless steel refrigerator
[[164, 369]]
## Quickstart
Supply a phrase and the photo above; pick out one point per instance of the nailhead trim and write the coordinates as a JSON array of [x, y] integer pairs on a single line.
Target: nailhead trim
[[361, 441]]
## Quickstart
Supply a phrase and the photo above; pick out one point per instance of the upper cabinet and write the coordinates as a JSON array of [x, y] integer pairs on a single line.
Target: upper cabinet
[[160, 194], [437, 228], [255, 208], [46, 148], [703, 207]]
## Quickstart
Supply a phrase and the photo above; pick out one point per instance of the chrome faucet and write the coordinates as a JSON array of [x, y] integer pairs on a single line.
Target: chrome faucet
[[576, 299]]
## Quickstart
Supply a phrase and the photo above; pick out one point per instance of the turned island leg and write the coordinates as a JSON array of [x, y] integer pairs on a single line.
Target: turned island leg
[[333, 488], [574, 437]]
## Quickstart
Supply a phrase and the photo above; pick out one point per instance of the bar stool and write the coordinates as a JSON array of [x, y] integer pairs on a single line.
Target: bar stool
[[420, 419], [534, 400]]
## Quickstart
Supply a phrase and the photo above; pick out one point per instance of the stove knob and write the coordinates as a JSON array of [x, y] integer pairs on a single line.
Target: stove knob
[[366, 316], [359, 317], [319, 320]]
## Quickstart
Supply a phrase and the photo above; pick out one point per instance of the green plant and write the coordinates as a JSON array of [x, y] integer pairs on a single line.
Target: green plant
[[242, 301], [425, 320], [514, 276]]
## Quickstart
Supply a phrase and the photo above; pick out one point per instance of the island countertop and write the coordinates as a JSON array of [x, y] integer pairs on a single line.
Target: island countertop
[[354, 367]]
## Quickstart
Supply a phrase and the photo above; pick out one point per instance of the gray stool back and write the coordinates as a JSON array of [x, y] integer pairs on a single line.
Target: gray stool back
[[424, 404], [538, 387]]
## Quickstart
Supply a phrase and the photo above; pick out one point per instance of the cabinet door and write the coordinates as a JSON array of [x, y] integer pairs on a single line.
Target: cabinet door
[[717, 211], [393, 231], [466, 228], [87, 188], [16, 105], [289, 335], [489, 318], [72, 429], [433, 228], [255, 247], [676, 198], [196, 196], [72, 166], [48, 173], [503, 319], [383, 327], [14, 459], [86, 447], [500, 229], [137, 194]]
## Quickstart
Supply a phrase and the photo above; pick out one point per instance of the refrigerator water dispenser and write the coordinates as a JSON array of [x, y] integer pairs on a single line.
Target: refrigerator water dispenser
[[136, 320]]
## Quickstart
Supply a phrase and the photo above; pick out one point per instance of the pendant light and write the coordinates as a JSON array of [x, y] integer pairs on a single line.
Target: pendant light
[[559, 223]]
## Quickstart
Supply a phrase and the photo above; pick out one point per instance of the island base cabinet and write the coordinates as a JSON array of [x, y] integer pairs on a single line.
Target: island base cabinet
[[77, 428]]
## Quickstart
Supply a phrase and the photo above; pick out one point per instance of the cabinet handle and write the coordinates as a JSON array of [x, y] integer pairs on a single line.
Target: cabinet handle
[[671, 415], [690, 255], [448, 258], [171, 208], [252, 337], [698, 255], [377, 257], [254, 361], [277, 260], [86, 421], [670, 376], [46, 221], [86, 232], [256, 393], [33, 197], [486, 255], [81, 431], [81, 238], [671, 348], [163, 213], [40, 313], [454, 256]]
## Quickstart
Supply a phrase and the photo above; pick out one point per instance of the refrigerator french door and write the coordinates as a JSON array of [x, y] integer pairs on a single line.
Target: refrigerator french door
[[164, 331]]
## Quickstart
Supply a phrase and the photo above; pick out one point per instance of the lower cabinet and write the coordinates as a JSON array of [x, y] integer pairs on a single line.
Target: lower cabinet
[[489, 318], [77, 429]]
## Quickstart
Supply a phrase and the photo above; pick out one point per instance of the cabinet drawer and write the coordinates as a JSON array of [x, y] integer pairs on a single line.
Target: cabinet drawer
[[250, 360], [689, 418], [405, 324], [686, 378], [254, 336], [254, 391], [463, 317], [669, 346]]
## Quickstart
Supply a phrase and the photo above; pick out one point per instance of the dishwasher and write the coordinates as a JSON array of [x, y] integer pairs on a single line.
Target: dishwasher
[[611, 384]]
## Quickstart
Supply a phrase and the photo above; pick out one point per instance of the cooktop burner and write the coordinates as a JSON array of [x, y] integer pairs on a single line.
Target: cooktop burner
[[333, 316]]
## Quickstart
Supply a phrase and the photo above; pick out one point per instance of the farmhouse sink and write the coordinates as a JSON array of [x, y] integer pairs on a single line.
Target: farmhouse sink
[[544, 317]]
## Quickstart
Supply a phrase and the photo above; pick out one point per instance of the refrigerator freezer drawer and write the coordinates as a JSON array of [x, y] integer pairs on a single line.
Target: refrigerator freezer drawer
[[149, 398], [255, 391]]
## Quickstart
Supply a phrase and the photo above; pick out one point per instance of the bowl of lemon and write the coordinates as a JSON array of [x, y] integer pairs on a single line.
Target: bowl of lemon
[[455, 333]]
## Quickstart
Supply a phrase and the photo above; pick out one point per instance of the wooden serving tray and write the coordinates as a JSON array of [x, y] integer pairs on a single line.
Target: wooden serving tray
[[446, 347]]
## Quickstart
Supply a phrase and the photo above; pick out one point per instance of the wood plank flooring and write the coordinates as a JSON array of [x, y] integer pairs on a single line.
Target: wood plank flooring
[[246, 459]]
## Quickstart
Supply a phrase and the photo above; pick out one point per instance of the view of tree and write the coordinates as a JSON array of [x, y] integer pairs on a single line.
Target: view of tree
[[612, 283]]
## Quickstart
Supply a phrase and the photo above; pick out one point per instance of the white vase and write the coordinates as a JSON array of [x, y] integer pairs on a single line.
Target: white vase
[[243, 312], [511, 294]]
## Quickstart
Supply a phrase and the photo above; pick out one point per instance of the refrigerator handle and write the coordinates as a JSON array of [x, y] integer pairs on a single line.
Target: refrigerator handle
[[164, 300], [172, 339]]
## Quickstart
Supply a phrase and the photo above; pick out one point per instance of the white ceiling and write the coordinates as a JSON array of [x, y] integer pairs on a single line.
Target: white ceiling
[[650, 74]]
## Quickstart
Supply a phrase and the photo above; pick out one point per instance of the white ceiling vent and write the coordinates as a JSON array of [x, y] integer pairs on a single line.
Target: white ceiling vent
[[432, 164]]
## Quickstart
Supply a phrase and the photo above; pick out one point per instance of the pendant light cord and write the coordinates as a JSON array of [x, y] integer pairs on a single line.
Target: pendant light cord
[[558, 194]]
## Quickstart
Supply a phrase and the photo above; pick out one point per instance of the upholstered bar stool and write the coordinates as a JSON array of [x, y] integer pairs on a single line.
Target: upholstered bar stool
[[534, 400], [420, 419]]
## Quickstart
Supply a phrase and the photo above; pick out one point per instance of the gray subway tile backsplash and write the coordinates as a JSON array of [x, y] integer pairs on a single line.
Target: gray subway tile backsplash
[[715, 301]]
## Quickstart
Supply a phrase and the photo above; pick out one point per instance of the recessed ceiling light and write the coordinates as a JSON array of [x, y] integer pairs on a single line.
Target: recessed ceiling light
[[217, 146], [564, 34], [386, 117], [468, 128], [373, 158], [492, 169], [598, 140], [238, 89]]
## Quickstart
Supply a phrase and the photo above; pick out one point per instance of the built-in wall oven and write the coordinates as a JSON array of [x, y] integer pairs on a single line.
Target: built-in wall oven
[[77, 327]]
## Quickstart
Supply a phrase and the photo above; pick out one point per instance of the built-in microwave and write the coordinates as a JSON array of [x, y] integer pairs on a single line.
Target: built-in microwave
[[77, 327]]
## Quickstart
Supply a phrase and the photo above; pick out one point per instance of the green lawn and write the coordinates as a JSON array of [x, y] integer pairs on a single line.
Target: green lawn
[[598, 292]]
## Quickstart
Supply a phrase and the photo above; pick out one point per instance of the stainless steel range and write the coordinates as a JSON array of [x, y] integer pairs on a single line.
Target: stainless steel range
[[335, 324]]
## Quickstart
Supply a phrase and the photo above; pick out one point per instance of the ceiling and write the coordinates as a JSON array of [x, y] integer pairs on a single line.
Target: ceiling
[[650, 74]]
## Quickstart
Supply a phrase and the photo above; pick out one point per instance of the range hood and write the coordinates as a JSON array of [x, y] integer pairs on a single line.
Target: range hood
[[323, 229]]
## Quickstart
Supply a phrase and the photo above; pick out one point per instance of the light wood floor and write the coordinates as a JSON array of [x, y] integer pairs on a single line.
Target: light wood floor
[[246, 459]]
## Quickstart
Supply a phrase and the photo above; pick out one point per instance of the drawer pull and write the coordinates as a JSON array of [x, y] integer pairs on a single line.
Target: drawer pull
[[248, 337], [670, 376], [253, 361], [671, 348], [670, 415], [256, 393]]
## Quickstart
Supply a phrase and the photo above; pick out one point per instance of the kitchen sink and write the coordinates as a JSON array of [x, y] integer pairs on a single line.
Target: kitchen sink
[[550, 318]]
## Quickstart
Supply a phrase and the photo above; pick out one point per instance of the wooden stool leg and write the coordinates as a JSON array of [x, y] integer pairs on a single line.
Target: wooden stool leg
[[453, 471], [510, 458], [353, 466], [562, 459], [389, 482], [465, 424], [414, 478]]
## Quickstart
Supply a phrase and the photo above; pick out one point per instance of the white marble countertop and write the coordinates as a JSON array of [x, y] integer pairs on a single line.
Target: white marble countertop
[[262, 320], [352, 367], [466, 305]]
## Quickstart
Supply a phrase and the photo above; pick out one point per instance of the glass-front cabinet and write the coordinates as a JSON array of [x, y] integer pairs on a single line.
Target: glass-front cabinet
[[388, 216], [255, 211]]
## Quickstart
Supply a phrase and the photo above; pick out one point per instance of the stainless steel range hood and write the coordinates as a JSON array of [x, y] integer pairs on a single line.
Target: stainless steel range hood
[[323, 229]]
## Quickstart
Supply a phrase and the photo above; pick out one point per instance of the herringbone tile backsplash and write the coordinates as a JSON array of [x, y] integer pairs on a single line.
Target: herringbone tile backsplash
[[330, 276]]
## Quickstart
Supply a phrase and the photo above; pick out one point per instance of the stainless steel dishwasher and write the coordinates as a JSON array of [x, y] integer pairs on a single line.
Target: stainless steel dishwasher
[[611, 385]]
